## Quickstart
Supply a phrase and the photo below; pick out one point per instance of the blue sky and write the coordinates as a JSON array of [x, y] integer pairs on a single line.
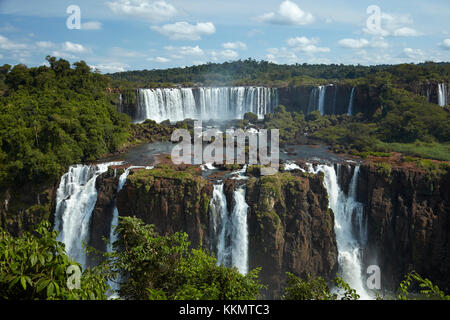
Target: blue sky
[[119, 35]]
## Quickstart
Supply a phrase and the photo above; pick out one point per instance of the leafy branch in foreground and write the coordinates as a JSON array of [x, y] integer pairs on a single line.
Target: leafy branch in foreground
[[317, 289], [427, 288], [34, 267]]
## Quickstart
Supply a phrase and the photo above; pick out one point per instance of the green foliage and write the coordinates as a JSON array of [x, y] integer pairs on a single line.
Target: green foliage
[[383, 168], [251, 117], [164, 267], [427, 288], [316, 289], [34, 267], [53, 117]]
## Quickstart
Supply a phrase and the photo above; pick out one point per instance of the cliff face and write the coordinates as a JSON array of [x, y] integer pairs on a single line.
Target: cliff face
[[21, 209], [409, 223], [290, 229], [290, 226], [171, 199]]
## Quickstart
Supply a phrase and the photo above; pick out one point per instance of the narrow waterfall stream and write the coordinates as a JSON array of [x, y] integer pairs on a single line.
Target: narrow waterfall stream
[[350, 103], [350, 227]]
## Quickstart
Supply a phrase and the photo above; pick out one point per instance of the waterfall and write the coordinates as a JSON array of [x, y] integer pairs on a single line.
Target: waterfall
[[75, 200], [317, 99], [350, 227], [239, 241], [442, 94], [322, 91], [230, 230], [221, 103], [220, 222], [350, 103]]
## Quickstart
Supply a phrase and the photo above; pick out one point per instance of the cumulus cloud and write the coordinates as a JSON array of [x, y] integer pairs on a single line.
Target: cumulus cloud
[[288, 13], [91, 25], [235, 45], [229, 54], [306, 45], [159, 59], [185, 31], [153, 11], [445, 44], [363, 43], [354, 43], [186, 50], [7, 44], [73, 47], [110, 67], [405, 32], [393, 25]]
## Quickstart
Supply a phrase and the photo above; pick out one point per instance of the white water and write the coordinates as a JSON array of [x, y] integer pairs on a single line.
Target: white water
[[239, 239], [289, 166], [442, 94], [204, 103], [350, 104], [350, 242], [317, 99], [230, 230], [75, 200]]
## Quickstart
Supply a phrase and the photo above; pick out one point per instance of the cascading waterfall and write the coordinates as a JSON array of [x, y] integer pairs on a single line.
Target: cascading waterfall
[[204, 103], [442, 94], [350, 103], [230, 230], [239, 255], [317, 99], [350, 227], [75, 200], [322, 91]]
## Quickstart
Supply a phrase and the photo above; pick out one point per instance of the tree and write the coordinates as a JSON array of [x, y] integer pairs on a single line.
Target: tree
[[34, 267], [316, 289], [164, 267]]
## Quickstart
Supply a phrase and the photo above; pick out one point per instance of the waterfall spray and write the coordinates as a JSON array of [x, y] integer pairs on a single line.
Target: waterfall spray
[[75, 200], [350, 242]]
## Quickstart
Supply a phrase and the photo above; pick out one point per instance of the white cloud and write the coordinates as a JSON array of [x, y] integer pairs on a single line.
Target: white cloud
[[186, 50], [153, 11], [394, 25], [159, 59], [405, 32], [289, 13], [229, 54], [185, 31], [91, 25], [282, 55], [64, 55], [445, 44], [354, 43], [7, 44], [414, 53], [73, 47], [306, 45], [110, 67], [363, 43], [45, 44], [235, 45]]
